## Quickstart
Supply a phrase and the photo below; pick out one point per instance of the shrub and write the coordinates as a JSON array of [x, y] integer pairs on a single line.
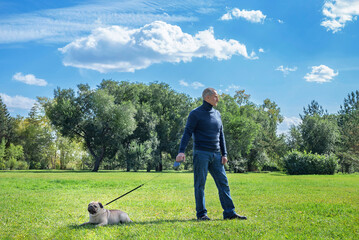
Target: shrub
[[298, 163], [22, 165], [11, 164], [271, 166], [238, 165], [2, 154], [14, 156]]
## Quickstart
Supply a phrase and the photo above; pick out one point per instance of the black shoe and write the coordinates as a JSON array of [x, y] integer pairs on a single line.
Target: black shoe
[[203, 218], [236, 216]]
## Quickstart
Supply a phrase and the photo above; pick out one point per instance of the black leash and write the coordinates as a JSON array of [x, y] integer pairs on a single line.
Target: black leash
[[124, 194], [131, 191]]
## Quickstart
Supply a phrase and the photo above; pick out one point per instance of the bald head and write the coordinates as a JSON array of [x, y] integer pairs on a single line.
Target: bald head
[[210, 95], [208, 92]]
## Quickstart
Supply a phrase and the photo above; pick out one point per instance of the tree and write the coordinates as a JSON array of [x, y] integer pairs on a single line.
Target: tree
[[70, 153], [348, 121], [319, 130], [2, 154], [6, 123], [295, 140], [240, 129], [319, 134], [93, 116], [314, 109], [35, 135], [268, 143], [250, 131], [351, 104], [171, 109], [144, 136], [241, 97], [161, 117], [15, 157]]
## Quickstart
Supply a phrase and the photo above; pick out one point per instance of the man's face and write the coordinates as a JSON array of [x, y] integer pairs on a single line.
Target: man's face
[[213, 99]]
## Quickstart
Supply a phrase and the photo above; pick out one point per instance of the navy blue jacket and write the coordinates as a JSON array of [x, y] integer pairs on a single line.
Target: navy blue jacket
[[206, 126]]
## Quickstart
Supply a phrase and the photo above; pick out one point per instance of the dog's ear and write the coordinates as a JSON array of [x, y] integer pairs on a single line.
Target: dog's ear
[[100, 205]]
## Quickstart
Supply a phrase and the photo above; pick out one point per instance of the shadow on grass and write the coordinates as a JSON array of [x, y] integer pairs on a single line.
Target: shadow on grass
[[151, 222], [89, 171], [45, 171], [278, 174], [55, 171]]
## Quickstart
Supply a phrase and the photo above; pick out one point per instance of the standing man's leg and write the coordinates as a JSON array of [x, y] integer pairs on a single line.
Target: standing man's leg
[[200, 170], [216, 168]]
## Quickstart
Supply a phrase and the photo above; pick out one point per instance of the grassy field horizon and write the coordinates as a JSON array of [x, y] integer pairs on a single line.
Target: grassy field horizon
[[52, 205]]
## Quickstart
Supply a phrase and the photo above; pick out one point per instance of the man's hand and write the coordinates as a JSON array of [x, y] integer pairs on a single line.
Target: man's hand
[[180, 157], [224, 160]]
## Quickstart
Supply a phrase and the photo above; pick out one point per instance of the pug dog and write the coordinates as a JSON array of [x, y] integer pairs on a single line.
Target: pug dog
[[100, 216]]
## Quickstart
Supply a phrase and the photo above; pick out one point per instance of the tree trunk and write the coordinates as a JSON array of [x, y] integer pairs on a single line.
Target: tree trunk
[[127, 155], [98, 159], [128, 163], [159, 164], [54, 161], [97, 164], [347, 168]]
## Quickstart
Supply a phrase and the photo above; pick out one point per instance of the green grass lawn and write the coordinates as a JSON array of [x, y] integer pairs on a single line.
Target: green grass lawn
[[51, 205]]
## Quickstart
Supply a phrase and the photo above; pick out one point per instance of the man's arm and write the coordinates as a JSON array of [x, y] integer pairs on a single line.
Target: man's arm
[[222, 144], [190, 126]]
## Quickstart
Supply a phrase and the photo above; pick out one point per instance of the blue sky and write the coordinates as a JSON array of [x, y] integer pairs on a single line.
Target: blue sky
[[291, 52]]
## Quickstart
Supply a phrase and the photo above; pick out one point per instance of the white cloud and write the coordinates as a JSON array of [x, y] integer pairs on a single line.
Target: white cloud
[[29, 79], [227, 16], [286, 70], [255, 16], [194, 85], [320, 74], [122, 49], [183, 83], [17, 101], [261, 50], [287, 123], [232, 87], [66, 24], [197, 85], [206, 10], [280, 21], [338, 12]]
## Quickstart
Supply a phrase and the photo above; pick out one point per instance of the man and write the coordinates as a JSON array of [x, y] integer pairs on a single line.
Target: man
[[209, 154]]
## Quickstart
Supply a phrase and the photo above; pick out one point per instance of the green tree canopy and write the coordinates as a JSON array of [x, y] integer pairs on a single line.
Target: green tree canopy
[[6, 123], [314, 109], [34, 134], [250, 131], [93, 116], [348, 121], [160, 117], [319, 130]]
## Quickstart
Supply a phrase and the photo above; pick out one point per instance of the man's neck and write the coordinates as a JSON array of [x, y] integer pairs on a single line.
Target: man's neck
[[207, 105]]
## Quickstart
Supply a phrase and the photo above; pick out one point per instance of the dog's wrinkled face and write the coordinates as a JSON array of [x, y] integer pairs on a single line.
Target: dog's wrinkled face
[[94, 207]]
